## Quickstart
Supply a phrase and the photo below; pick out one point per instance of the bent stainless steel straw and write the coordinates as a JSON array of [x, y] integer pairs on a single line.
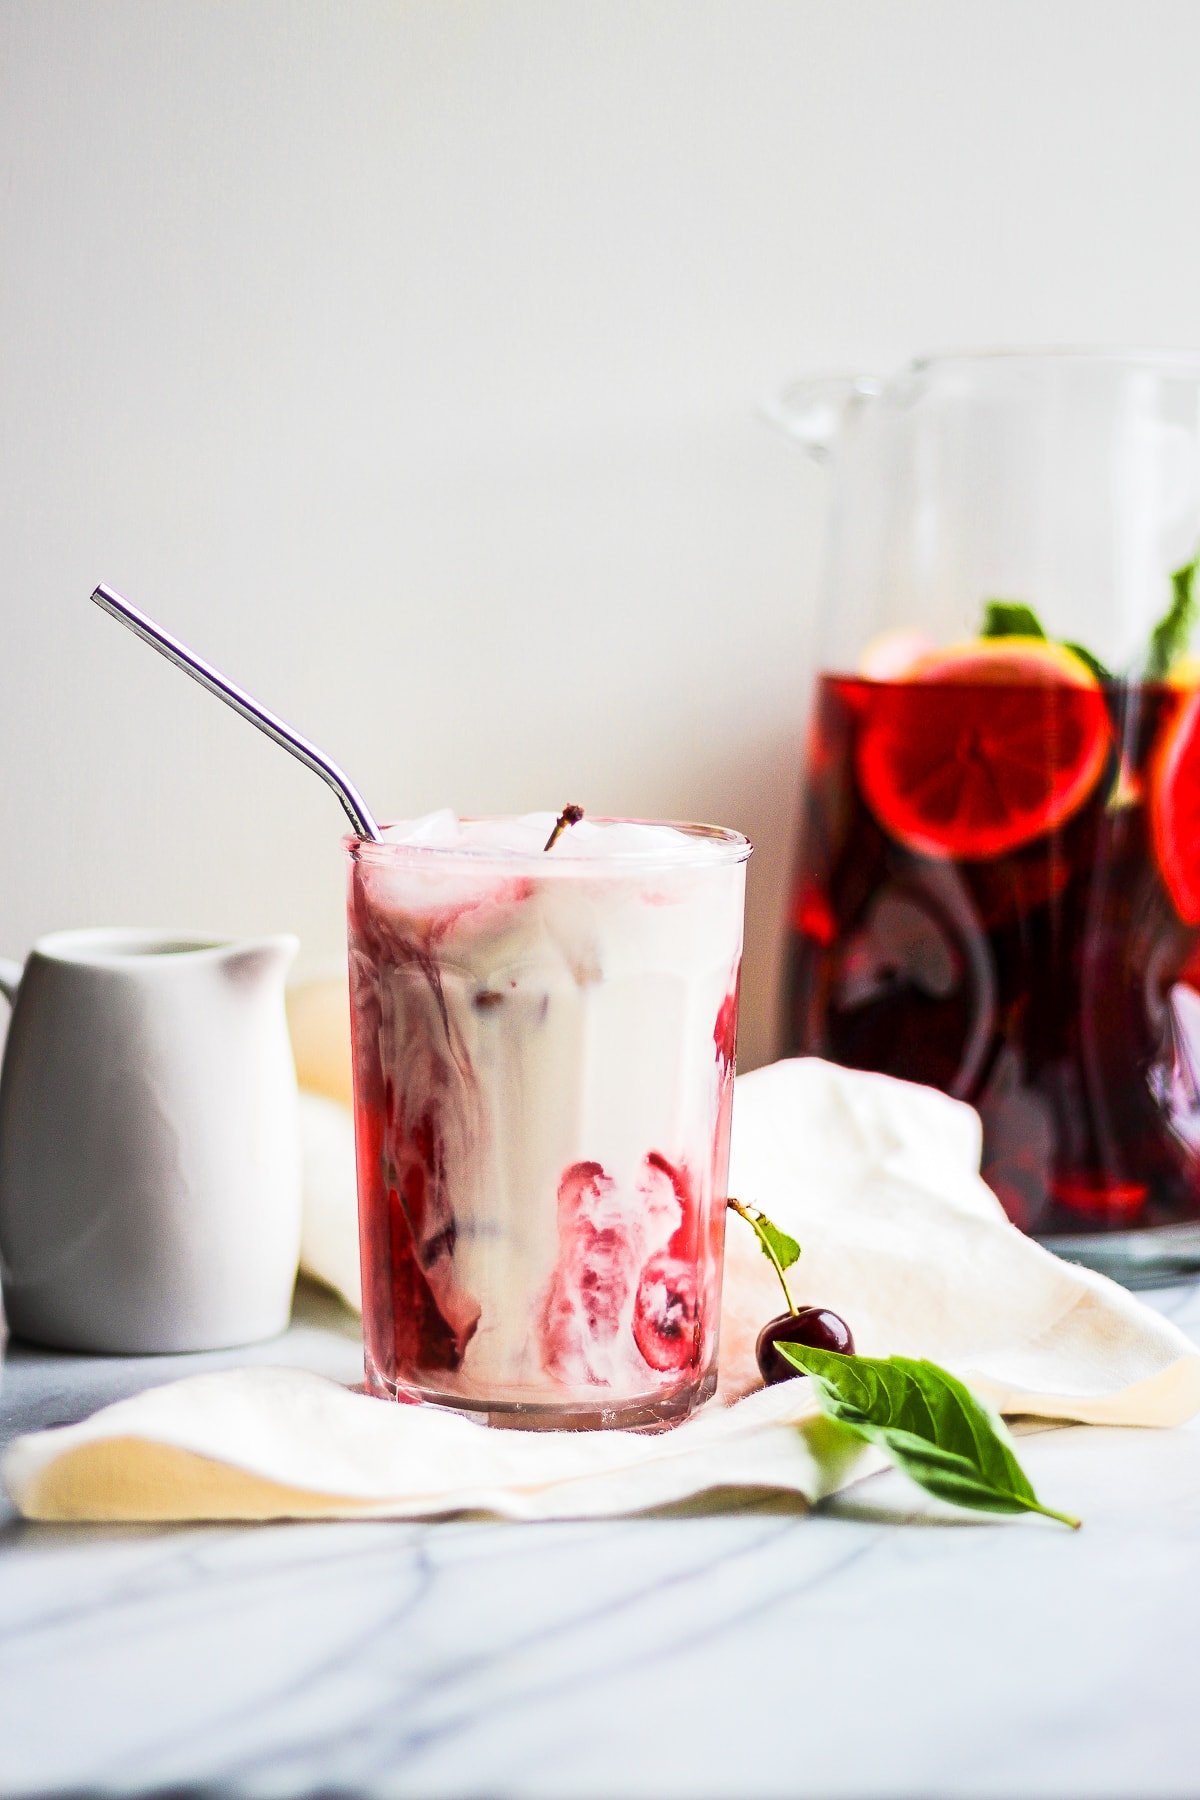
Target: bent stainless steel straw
[[356, 808]]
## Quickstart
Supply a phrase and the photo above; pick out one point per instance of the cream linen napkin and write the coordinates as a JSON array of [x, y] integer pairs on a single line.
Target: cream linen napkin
[[879, 1181]]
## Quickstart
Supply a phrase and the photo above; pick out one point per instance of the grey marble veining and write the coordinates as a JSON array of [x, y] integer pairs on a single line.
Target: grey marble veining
[[882, 1648]]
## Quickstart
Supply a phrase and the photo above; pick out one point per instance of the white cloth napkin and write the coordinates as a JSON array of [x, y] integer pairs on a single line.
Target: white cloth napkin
[[878, 1180]]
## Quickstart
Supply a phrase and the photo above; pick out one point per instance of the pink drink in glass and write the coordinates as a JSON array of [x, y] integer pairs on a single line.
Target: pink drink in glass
[[543, 1075]]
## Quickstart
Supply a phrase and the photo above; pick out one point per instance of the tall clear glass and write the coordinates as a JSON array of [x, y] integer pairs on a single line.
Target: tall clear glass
[[998, 879], [543, 1076]]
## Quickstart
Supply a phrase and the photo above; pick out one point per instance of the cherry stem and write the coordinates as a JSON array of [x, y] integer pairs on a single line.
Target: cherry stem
[[570, 815], [754, 1218]]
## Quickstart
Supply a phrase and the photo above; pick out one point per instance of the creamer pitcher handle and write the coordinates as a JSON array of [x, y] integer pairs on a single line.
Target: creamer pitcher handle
[[812, 411], [10, 978]]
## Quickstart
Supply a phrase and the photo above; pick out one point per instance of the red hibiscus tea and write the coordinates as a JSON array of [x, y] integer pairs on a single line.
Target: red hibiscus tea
[[998, 893], [543, 1073]]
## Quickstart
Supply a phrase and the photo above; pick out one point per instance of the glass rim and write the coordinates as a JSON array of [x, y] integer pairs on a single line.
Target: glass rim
[[717, 846], [1128, 357]]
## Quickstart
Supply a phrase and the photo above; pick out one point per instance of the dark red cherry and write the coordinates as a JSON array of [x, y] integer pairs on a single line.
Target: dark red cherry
[[811, 1325]]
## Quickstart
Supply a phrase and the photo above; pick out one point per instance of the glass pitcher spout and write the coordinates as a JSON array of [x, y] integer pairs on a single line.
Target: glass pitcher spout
[[814, 410]]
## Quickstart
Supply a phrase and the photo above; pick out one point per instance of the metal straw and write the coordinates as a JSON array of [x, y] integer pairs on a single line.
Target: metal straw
[[355, 806]]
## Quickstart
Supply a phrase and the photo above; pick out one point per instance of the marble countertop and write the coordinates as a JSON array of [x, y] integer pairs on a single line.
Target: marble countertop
[[879, 1648]]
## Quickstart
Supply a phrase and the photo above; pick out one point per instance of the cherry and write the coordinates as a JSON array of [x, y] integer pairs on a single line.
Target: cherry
[[811, 1325], [814, 1326]]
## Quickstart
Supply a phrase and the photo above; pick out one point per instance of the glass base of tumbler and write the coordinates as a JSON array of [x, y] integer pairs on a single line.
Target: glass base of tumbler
[[1153, 1257], [645, 1412]]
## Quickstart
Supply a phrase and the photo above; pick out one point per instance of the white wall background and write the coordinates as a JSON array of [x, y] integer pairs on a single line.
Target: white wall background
[[403, 355]]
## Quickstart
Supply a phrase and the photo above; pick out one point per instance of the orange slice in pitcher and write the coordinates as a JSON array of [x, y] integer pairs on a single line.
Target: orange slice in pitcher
[[1175, 807], [983, 748]]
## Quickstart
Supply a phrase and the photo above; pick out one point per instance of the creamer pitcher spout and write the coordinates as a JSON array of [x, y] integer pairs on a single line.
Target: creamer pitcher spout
[[257, 959]]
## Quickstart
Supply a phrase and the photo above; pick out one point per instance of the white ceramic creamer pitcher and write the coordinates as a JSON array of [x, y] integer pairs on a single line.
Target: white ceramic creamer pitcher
[[149, 1146]]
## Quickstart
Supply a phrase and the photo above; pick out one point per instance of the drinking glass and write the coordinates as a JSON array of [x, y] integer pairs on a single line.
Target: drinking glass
[[543, 1076], [998, 876]]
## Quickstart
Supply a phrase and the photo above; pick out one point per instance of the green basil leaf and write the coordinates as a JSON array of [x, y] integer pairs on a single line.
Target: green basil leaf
[[1169, 639], [1093, 662], [930, 1424], [1010, 618]]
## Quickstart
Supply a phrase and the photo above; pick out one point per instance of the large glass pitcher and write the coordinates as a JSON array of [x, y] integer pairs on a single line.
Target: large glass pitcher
[[998, 879]]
